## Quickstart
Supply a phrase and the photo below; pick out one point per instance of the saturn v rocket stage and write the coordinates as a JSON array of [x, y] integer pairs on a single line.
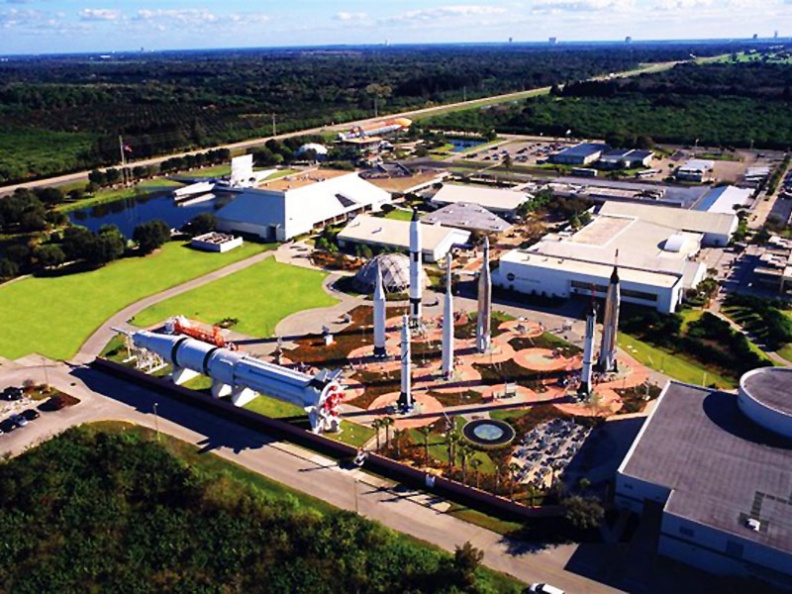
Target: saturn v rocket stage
[[237, 374]]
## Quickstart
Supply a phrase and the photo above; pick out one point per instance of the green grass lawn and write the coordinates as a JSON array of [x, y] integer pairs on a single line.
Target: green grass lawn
[[213, 171], [54, 316], [147, 186], [438, 449], [399, 215], [259, 297], [786, 352], [672, 365]]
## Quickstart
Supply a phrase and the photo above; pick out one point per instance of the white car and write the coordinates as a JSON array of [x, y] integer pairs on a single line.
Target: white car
[[19, 420], [545, 589]]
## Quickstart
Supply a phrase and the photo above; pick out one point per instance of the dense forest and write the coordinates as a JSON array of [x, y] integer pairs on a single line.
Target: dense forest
[[113, 512], [719, 104], [66, 113]]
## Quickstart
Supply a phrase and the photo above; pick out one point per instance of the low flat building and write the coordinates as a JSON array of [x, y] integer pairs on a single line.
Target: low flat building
[[500, 201], [625, 159], [715, 467], [716, 228], [379, 233], [725, 200], [400, 180], [695, 170], [469, 217], [299, 203], [656, 263], [581, 154]]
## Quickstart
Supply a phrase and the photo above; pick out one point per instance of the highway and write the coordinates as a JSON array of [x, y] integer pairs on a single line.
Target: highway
[[412, 114]]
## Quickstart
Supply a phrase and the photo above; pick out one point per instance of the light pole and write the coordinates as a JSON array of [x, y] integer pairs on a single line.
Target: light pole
[[46, 373], [355, 491], [156, 420]]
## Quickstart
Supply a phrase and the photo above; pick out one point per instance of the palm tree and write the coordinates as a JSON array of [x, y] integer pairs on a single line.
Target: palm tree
[[475, 463], [464, 451], [513, 470], [426, 430], [398, 434], [498, 470], [377, 425], [452, 438], [387, 422]]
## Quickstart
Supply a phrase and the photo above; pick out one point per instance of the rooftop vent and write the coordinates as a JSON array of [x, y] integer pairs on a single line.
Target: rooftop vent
[[753, 524]]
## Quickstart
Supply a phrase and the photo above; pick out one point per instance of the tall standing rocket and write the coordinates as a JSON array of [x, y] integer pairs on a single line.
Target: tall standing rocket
[[448, 324], [415, 270], [379, 316], [483, 322], [405, 403], [610, 323], [588, 352]]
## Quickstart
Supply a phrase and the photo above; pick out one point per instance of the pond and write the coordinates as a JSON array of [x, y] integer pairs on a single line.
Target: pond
[[128, 213], [461, 144]]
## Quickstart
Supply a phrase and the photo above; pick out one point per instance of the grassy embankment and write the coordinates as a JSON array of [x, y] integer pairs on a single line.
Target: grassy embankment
[[53, 316]]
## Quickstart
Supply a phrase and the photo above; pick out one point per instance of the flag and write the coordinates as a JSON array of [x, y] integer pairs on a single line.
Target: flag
[[127, 148]]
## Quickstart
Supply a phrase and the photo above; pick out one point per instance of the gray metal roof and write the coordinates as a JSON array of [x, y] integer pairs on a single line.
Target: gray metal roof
[[584, 150], [468, 216], [771, 386], [720, 466]]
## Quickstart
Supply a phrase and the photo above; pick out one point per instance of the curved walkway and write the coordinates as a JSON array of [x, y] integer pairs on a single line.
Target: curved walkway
[[93, 347]]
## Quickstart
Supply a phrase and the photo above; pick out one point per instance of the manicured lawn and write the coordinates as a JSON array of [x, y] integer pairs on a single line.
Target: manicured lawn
[[54, 316], [259, 297], [672, 365], [399, 215], [786, 352]]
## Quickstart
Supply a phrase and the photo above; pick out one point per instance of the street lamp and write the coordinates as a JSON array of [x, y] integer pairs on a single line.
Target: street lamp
[[156, 420]]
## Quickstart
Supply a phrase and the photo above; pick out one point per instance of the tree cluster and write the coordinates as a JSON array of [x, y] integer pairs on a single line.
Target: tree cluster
[[89, 511]]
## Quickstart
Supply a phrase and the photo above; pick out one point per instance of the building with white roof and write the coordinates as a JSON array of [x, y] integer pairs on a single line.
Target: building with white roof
[[470, 217], [656, 262], [378, 232], [724, 199], [695, 170], [716, 228], [715, 468], [497, 200], [299, 203]]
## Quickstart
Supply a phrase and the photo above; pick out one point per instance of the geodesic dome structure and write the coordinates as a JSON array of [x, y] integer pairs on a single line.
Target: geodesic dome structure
[[395, 269]]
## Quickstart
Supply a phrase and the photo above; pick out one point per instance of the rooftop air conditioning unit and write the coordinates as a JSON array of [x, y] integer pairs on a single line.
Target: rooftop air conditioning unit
[[753, 524]]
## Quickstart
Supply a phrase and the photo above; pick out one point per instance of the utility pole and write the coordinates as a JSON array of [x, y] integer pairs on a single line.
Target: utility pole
[[375, 106], [156, 421]]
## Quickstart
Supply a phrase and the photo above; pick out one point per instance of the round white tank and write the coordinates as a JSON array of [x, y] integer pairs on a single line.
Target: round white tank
[[765, 396]]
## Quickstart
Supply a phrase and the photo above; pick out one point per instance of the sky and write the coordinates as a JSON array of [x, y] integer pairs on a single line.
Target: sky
[[54, 26]]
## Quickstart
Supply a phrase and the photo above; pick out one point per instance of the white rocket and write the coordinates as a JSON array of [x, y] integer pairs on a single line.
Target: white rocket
[[379, 316], [483, 321], [241, 376], [588, 352], [405, 403], [448, 325], [415, 270], [610, 323]]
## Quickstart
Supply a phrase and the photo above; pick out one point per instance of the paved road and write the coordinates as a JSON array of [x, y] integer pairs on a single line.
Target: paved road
[[246, 144]]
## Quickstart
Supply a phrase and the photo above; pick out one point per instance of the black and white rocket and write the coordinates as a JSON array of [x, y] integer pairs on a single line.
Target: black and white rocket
[[379, 316], [588, 352], [448, 325], [415, 270], [610, 323], [483, 321], [405, 403]]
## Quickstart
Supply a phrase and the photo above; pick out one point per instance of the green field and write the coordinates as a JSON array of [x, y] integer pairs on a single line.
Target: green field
[[259, 297], [672, 365], [399, 215], [43, 152], [54, 316]]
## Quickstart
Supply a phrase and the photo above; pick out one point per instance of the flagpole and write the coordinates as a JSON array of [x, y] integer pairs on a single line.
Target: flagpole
[[123, 159]]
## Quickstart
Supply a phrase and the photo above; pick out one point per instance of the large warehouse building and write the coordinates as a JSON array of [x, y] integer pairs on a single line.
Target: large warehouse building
[[497, 200], [656, 262], [296, 204], [717, 468], [379, 233]]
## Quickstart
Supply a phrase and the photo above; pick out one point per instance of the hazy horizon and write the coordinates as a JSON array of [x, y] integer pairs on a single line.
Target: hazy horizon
[[35, 27]]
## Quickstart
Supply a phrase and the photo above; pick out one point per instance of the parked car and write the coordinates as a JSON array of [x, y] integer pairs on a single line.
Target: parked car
[[7, 425], [12, 393], [18, 420], [30, 414], [545, 589]]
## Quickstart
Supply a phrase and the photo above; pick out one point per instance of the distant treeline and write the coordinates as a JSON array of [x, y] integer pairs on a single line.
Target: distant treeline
[[66, 113], [729, 105]]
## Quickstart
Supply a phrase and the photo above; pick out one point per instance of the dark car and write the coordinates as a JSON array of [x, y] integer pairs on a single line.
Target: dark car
[[12, 393], [30, 414], [7, 425]]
